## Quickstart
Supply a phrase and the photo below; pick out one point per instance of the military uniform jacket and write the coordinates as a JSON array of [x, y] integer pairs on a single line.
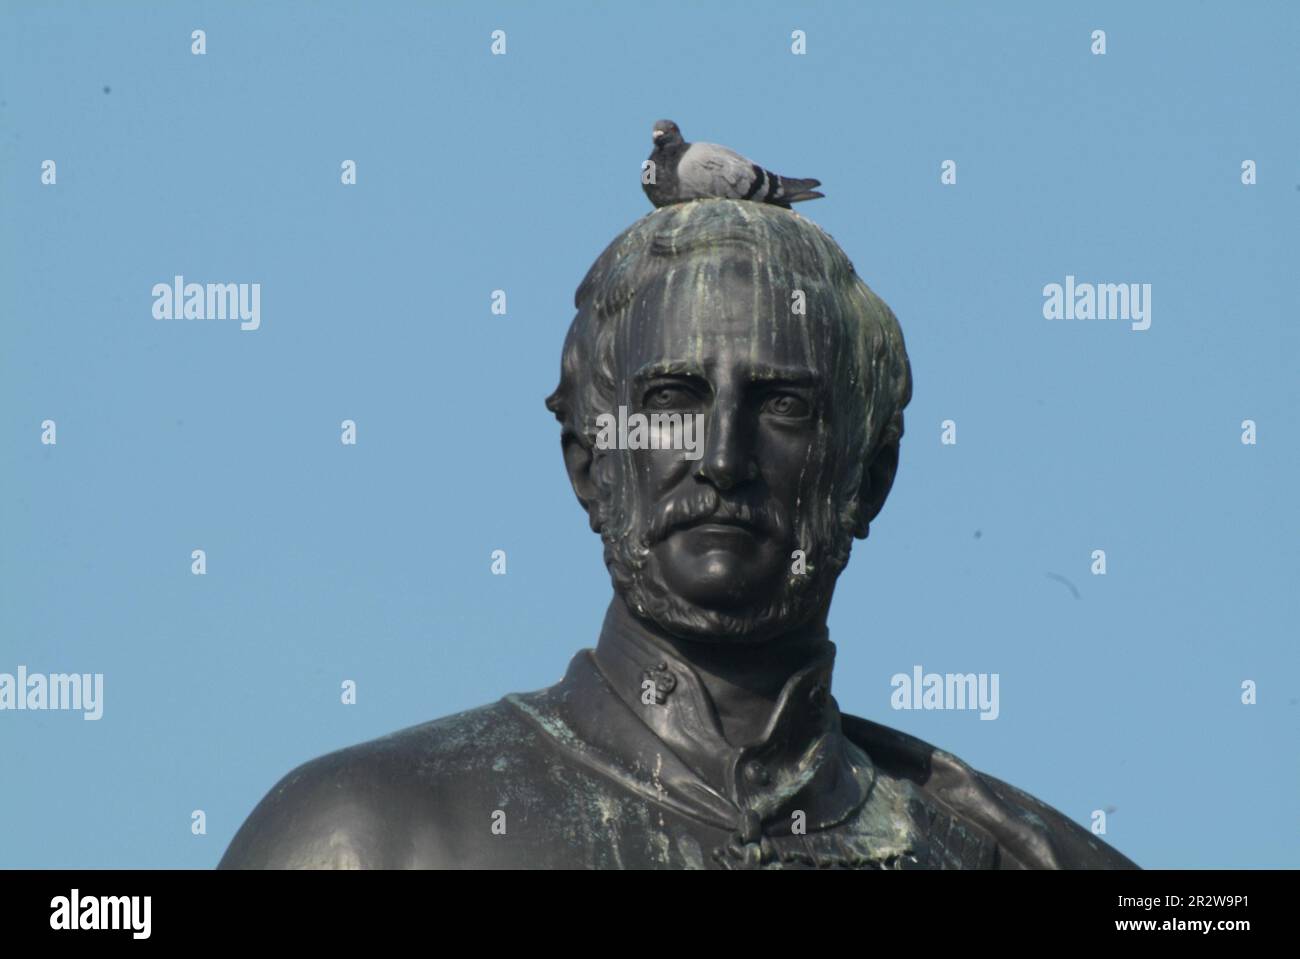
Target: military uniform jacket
[[622, 765]]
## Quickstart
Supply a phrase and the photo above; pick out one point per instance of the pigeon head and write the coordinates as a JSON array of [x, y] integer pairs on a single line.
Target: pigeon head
[[665, 133]]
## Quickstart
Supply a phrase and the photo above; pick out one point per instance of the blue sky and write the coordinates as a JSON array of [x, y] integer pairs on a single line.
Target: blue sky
[[478, 172]]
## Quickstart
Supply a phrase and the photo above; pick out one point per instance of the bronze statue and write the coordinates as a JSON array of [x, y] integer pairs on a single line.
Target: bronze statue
[[701, 731]]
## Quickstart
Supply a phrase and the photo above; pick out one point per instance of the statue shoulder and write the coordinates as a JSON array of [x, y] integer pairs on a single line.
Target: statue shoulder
[[1068, 845], [319, 816], [1029, 832], [390, 803]]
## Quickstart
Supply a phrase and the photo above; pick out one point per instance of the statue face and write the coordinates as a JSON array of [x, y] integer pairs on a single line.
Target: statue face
[[716, 534], [693, 312]]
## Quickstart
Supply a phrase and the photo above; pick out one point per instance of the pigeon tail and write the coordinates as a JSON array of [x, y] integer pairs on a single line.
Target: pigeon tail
[[805, 195], [798, 190]]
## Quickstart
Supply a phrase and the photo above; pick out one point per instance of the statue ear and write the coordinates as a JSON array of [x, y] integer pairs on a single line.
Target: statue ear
[[578, 460], [877, 480]]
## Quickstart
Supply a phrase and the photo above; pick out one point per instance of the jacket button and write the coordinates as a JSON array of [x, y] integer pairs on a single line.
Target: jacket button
[[664, 681]]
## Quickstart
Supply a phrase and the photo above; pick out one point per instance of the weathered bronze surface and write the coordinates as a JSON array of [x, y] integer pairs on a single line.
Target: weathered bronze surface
[[701, 731]]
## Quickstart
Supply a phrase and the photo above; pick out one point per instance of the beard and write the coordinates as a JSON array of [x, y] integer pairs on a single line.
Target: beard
[[629, 538]]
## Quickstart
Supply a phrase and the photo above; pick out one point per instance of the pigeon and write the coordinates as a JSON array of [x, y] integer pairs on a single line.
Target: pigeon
[[691, 171]]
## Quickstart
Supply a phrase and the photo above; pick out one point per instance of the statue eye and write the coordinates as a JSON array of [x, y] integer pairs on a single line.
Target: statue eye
[[785, 404], [667, 397]]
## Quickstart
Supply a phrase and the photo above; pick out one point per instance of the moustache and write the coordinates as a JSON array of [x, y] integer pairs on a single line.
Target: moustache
[[697, 505]]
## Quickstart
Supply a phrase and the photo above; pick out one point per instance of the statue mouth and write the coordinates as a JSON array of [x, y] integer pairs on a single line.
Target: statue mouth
[[722, 526], [704, 510]]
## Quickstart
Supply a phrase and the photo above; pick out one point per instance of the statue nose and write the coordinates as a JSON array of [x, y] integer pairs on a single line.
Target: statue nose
[[728, 460]]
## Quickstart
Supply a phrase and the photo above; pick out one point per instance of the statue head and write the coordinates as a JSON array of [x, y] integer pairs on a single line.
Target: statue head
[[751, 322]]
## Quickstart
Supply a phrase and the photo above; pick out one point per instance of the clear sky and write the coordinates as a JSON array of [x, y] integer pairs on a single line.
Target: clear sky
[[477, 172]]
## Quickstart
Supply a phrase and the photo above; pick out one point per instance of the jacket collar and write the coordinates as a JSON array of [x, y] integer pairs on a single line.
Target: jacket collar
[[642, 712]]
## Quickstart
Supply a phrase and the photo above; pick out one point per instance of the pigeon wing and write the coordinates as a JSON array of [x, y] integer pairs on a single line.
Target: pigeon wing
[[707, 169]]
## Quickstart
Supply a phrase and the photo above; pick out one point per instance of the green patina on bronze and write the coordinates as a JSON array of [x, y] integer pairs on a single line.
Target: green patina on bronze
[[589, 774], [675, 258]]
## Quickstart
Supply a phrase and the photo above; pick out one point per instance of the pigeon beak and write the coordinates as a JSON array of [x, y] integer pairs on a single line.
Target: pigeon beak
[[657, 134]]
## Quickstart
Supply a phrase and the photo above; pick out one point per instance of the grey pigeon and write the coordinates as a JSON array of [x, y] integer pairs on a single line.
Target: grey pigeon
[[691, 171]]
